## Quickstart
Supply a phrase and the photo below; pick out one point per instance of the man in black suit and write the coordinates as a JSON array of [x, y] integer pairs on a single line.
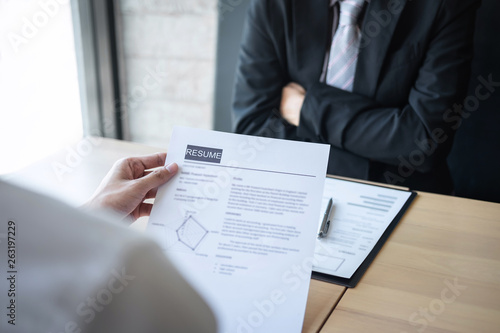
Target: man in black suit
[[395, 123]]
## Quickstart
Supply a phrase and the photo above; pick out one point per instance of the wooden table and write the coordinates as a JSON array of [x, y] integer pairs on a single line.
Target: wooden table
[[438, 272]]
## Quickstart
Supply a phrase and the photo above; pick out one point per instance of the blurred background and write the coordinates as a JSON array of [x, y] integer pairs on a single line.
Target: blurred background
[[132, 69]]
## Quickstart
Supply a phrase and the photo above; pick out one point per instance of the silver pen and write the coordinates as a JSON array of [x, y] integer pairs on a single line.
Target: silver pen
[[325, 225]]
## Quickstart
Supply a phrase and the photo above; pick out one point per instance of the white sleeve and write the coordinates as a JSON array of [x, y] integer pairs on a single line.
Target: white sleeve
[[155, 299], [74, 272]]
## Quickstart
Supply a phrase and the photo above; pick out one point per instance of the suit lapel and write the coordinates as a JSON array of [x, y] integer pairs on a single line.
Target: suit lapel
[[374, 45], [310, 28]]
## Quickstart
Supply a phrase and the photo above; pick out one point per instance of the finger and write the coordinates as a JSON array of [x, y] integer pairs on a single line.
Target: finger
[[147, 172], [151, 194], [156, 178], [287, 89], [133, 167], [153, 161], [145, 209], [297, 87]]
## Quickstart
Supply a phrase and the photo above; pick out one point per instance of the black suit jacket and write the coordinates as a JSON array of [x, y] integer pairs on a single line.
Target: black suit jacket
[[397, 125]]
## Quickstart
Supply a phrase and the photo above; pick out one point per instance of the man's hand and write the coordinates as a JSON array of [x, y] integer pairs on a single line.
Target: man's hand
[[128, 184], [292, 98]]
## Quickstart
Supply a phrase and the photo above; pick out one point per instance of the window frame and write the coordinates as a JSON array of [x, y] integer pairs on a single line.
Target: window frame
[[99, 51]]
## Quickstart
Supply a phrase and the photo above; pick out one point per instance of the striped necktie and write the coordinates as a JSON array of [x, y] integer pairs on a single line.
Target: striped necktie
[[345, 46]]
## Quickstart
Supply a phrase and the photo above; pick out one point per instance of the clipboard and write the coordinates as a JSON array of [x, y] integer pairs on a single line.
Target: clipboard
[[360, 271]]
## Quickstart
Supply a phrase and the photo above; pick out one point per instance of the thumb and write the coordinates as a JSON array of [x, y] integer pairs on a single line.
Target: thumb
[[158, 177]]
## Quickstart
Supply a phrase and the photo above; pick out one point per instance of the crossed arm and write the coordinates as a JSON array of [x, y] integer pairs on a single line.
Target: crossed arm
[[268, 103]]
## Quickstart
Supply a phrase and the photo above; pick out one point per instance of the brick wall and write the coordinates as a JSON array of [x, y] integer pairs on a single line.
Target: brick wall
[[169, 51]]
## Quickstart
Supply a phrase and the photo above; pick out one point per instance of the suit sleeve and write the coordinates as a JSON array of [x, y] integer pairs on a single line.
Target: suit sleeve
[[366, 128], [261, 74]]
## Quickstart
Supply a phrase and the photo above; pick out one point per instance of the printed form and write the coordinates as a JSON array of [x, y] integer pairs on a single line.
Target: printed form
[[239, 221], [361, 214]]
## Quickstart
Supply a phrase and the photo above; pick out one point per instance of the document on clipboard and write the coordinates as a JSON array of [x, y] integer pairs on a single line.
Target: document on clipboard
[[361, 219]]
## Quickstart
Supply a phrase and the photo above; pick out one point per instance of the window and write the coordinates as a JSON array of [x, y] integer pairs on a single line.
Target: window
[[40, 110]]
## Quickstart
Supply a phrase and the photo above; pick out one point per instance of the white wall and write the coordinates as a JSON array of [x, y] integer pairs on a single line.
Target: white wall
[[169, 48]]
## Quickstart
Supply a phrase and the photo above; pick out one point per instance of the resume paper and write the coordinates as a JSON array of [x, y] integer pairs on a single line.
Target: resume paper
[[239, 221]]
